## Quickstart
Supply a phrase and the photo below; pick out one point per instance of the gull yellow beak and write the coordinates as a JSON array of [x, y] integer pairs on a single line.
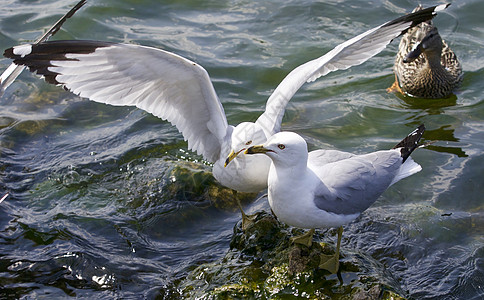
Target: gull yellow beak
[[231, 156], [257, 149]]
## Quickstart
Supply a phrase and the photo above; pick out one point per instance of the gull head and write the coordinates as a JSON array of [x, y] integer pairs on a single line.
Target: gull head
[[431, 45], [284, 148], [245, 134]]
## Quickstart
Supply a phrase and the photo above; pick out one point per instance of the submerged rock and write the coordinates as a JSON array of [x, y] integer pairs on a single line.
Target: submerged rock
[[197, 183], [263, 264]]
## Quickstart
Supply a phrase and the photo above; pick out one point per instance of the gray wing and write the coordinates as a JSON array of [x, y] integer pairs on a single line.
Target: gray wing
[[324, 157], [350, 53], [351, 185], [13, 71], [162, 83]]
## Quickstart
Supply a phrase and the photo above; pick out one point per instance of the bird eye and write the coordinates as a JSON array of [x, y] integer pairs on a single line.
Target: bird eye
[[281, 146], [248, 143]]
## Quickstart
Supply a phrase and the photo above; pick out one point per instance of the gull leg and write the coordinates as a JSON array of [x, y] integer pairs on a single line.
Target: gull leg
[[331, 262], [304, 239], [246, 220]]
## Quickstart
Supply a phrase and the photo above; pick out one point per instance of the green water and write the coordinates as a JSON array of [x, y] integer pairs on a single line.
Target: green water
[[108, 201]]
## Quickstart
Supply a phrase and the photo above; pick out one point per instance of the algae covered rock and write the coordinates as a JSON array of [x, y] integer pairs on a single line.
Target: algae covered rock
[[263, 264], [195, 182]]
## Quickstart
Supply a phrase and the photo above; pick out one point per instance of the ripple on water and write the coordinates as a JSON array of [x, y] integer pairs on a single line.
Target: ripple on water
[[104, 201]]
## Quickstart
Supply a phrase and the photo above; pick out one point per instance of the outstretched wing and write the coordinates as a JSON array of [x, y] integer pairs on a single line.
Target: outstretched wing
[[13, 71], [162, 83], [350, 53]]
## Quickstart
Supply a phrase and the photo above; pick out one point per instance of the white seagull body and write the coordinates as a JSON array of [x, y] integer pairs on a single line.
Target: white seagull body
[[329, 188], [178, 90]]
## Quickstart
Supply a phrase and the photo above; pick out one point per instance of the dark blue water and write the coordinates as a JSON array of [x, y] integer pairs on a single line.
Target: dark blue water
[[108, 202]]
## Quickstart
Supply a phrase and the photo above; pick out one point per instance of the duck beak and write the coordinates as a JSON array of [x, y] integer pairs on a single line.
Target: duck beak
[[257, 149], [412, 55], [231, 156]]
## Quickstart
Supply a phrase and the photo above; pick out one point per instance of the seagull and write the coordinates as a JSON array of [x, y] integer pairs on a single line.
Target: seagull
[[13, 71], [330, 188], [178, 90]]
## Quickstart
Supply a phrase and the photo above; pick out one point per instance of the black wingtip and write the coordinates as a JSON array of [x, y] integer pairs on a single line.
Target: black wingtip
[[8, 53], [419, 16], [38, 57], [56, 27], [410, 142]]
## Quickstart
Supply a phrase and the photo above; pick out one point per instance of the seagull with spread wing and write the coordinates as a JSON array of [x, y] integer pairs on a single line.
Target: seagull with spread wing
[[176, 89]]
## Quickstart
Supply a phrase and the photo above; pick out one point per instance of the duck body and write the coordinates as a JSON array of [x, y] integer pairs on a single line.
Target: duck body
[[425, 66]]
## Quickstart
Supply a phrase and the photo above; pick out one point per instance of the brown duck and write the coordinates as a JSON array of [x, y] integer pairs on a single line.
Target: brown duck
[[425, 66]]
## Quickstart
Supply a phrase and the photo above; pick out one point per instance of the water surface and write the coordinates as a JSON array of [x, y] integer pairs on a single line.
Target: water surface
[[98, 206]]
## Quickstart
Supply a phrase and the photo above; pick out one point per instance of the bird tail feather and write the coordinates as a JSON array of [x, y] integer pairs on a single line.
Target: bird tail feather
[[409, 167]]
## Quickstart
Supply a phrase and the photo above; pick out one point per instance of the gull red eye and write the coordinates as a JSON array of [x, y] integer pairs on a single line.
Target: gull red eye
[[248, 143], [281, 146]]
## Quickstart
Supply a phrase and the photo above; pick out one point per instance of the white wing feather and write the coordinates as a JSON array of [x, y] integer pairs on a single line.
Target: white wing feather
[[350, 53], [162, 83]]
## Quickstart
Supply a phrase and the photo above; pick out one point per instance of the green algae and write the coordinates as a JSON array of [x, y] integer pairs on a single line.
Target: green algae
[[263, 264]]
